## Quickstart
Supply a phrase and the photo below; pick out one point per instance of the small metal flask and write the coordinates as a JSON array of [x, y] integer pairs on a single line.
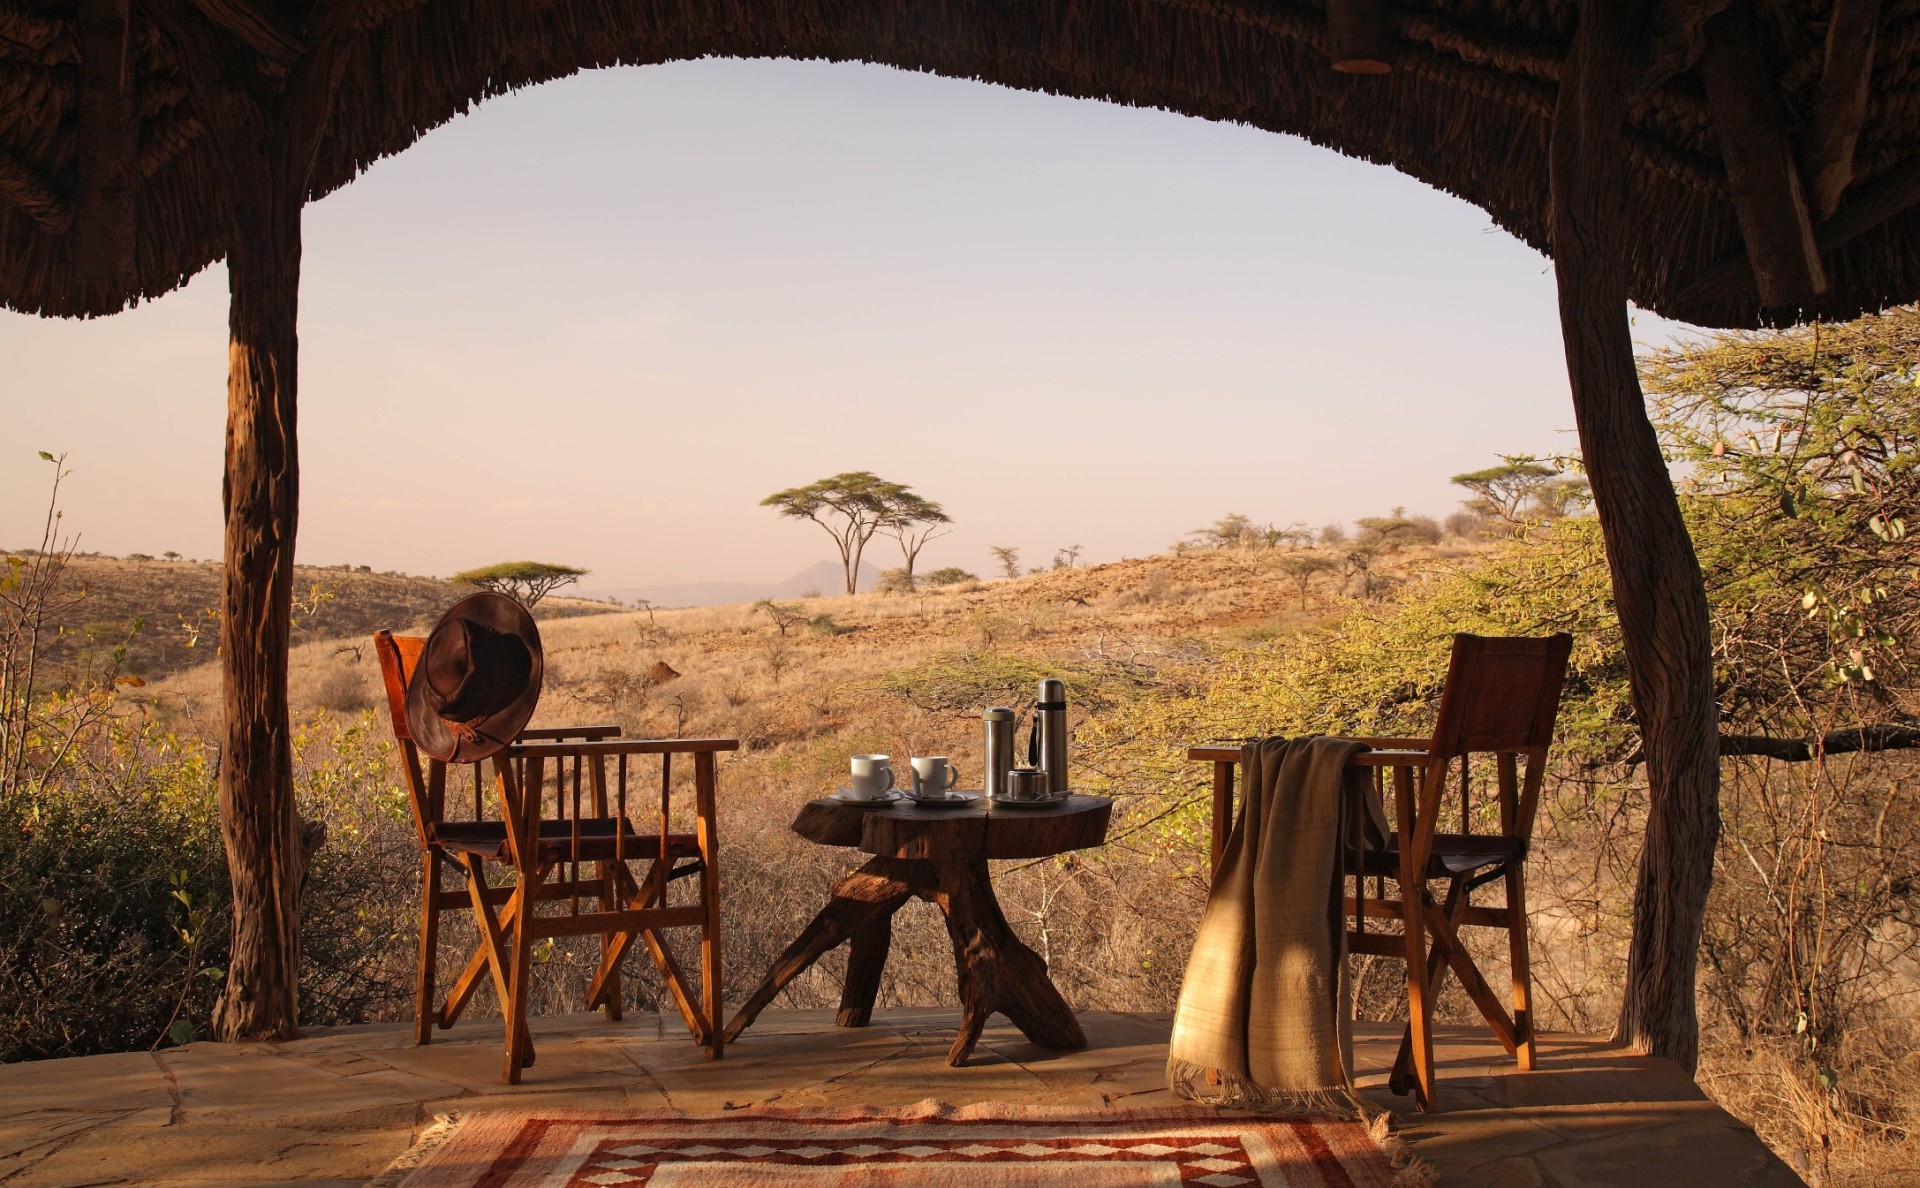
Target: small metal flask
[[996, 750], [1027, 783]]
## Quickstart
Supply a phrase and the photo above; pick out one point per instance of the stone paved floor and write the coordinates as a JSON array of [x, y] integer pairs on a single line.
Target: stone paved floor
[[334, 1108]]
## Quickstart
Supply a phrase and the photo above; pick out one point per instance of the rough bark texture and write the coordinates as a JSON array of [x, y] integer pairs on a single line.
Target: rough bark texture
[[265, 861], [995, 969], [1656, 578]]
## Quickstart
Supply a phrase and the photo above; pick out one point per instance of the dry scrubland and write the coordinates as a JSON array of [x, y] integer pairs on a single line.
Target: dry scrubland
[[902, 674], [1157, 652], [165, 612]]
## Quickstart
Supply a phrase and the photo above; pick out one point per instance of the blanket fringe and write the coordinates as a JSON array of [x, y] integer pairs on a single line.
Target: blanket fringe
[[1211, 1086]]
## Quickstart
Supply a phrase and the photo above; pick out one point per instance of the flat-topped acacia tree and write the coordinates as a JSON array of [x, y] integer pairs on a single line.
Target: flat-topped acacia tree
[[854, 505], [526, 582]]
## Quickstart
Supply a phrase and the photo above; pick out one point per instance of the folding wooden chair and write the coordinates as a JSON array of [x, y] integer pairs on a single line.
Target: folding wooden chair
[[1501, 699], [565, 840], [426, 786], [547, 852]]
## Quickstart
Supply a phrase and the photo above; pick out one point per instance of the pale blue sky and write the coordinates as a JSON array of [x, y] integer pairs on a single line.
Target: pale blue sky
[[597, 321]]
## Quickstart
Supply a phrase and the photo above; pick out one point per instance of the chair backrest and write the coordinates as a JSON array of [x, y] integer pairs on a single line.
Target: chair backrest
[[426, 787], [398, 654], [1502, 694]]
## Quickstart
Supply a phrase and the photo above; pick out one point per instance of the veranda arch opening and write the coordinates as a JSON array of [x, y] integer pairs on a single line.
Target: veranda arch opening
[[1685, 154]]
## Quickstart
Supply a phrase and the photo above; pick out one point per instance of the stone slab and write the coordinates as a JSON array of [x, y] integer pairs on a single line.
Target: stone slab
[[336, 1107]]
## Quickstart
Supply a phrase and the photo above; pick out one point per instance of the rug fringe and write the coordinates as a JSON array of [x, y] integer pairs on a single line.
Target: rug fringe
[[429, 1141], [1211, 1086], [1409, 1170]]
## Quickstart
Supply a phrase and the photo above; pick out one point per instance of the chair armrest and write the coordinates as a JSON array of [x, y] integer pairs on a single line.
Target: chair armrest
[[620, 746], [1401, 755], [1392, 759], [1216, 754], [561, 733]]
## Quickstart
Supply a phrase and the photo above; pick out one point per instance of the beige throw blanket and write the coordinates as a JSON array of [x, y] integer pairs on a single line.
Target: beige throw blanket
[[1261, 1021]]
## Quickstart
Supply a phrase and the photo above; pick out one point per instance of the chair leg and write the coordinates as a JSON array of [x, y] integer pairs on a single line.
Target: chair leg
[[1401, 1079], [499, 956], [703, 778], [1419, 1001], [608, 995], [519, 978], [1403, 1066], [710, 963], [424, 1015], [1522, 970]]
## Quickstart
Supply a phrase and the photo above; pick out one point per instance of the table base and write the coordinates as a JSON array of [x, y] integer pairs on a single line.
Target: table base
[[997, 972]]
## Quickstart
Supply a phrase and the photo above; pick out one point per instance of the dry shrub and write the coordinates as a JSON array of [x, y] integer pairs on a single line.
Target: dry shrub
[[345, 691]]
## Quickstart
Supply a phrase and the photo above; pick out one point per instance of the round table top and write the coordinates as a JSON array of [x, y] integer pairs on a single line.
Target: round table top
[[980, 830]]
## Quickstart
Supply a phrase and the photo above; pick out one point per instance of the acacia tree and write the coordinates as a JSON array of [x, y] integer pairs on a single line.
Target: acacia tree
[[1302, 568], [785, 615], [526, 582], [1230, 531], [852, 507], [1008, 557], [1521, 484], [913, 522]]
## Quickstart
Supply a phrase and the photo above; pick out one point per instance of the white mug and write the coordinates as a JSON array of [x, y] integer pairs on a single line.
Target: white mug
[[933, 776], [872, 776]]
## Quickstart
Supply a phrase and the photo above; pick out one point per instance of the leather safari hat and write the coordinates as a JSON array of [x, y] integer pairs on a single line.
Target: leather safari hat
[[477, 680]]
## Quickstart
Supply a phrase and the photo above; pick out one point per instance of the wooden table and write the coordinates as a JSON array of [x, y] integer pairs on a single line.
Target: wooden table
[[939, 855]]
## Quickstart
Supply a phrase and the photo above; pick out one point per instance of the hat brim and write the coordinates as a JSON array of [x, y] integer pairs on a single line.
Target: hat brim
[[436, 736]]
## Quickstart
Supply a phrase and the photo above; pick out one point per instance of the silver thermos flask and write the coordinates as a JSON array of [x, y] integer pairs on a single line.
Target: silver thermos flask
[[1047, 749], [996, 750]]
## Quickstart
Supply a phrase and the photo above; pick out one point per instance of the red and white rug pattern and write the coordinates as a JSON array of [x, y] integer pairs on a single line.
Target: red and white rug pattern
[[930, 1145]]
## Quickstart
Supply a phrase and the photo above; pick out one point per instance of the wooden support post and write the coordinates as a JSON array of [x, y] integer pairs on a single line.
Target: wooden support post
[[261, 501], [264, 146], [1676, 34], [109, 142], [1358, 35], [1885, 197], [1656, 578], [1765, 180], [1840, 106]]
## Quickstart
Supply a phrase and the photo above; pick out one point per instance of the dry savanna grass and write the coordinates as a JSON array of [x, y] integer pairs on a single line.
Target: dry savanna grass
[[844, 682], [165, 612], [908, 674]]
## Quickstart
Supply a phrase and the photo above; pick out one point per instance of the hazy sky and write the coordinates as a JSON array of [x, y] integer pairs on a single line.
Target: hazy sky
[[596, 322]]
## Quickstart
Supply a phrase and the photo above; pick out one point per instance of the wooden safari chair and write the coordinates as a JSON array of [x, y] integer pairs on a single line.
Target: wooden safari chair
[[1500, 702], [588, 824]]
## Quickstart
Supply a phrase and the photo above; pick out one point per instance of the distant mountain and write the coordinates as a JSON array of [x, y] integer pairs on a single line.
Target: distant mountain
[[824, 578]]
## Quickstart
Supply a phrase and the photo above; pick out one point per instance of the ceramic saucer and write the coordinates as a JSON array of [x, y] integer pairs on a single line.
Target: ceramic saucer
[[1049, 802], [887, 797], [950, 800]]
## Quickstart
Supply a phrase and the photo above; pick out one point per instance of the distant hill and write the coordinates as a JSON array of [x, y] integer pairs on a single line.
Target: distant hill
[[178, 600], [826, 578]]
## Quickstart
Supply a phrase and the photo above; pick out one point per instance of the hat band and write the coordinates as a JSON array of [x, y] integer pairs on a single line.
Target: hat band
[[469, 732]]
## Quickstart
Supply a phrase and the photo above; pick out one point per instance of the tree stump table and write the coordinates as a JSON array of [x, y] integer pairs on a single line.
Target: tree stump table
[[939, 855]]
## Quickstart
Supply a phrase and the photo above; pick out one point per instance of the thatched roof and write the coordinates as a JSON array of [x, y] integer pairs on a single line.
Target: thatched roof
[[111, 175]]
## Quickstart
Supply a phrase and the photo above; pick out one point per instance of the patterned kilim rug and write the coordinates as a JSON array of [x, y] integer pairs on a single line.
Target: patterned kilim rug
[[930, 1145]]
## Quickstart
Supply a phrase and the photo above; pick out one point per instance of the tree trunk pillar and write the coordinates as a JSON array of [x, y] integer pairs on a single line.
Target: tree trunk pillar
[[258, 824], [1657, 587]]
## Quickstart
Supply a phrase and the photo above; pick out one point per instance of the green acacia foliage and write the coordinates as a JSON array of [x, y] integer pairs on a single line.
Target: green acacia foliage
[[526, 582], [1800, 456], [1797, 459]]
